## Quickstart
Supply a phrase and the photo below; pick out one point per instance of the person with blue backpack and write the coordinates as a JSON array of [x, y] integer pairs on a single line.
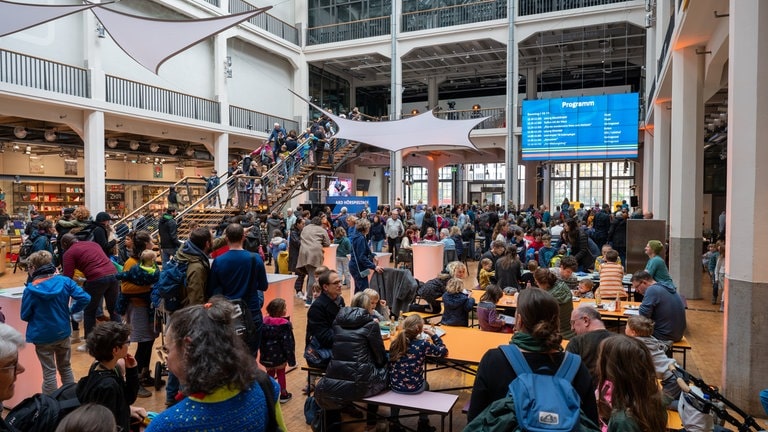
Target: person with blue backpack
[[533, 359]]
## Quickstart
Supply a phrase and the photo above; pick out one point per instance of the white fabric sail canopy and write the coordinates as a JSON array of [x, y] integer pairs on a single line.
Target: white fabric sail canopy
[[417, 131], [16, 17], [153, 41]]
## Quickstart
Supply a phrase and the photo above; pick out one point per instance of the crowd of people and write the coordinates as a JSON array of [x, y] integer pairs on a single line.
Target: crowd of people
[[109, 278]]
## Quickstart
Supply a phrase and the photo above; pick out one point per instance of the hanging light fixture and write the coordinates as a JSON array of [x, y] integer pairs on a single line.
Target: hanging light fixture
[[20, 132], [112, 142], [154, 147], [50, 135], [189, 151], [172, 150], [134, 145]]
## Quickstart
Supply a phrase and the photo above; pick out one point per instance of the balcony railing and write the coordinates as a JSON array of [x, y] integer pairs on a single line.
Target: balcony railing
[[213, 2], [348, 31], [484, 10], [267, 22], [496, 117], [254, 120], [533, 7], [134, 94], [665, 45], [28, 71]]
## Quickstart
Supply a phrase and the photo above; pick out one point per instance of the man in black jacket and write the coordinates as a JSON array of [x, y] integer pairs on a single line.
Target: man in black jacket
[[169, 238], [601, 225], [617, 235]]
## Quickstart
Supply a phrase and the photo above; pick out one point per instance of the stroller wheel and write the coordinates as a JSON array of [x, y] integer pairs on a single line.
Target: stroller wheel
[[159, 375]]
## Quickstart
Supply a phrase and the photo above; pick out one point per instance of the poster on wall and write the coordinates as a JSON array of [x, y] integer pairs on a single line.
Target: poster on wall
[[340, 187], [179, 173], [70, 167], [158, 171], [36, 165]]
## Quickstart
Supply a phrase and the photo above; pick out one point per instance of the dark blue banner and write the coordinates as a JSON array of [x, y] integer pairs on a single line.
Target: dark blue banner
[[354, 204]]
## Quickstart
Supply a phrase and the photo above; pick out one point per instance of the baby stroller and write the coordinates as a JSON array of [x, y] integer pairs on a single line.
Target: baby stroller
[[161, 368], [703, 408]]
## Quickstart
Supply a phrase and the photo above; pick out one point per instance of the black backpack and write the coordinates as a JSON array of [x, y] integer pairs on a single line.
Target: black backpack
[[41, 412]]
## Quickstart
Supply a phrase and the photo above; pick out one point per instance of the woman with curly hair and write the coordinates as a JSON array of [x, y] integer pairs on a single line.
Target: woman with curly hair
[[221, 380], [629, 398]]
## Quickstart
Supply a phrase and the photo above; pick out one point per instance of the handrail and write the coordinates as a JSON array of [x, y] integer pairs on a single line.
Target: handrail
[[348, 22], [437, 9], [158, 197], [30, 71]]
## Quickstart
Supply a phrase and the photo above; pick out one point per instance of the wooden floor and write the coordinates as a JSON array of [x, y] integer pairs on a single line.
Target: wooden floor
[[705, 333]]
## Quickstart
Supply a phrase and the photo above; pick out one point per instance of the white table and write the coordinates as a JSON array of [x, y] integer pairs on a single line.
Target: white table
[[382, 259], [31, 381], [280, 286], [427, 260]]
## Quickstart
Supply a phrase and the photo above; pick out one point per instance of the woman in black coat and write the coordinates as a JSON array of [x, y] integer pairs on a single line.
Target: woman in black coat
[[579, 242], [294, 245]]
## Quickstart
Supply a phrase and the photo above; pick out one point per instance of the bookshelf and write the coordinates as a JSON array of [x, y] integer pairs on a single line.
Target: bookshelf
[[48, 198], [115, 199]]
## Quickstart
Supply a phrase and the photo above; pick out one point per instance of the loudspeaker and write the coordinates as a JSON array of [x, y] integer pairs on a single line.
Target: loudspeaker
[[633, 201]]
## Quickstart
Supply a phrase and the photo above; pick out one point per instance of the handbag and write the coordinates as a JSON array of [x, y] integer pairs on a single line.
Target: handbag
[[363, 273], [317, 356]]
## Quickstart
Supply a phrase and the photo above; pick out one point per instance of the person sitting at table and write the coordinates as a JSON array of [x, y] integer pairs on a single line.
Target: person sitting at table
[[662, 304], [487, 315], [486, 273], [379, 308], [407, 356], [590, 331], [628, 398], [564, 272], [537, 335], [546, 252], [458, 304], [655, 265], [585, 289], [599, 261], [497, 251], [547, 281], [641, 327], [611, 277], [430, 235], [527, 279], [358, 366]]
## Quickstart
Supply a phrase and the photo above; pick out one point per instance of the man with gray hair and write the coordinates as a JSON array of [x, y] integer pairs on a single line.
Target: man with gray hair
[[10, 342], [590, 331], [394, 229]]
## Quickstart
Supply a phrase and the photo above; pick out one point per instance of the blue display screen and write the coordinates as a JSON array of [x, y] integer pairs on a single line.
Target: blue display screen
[[583, 127]]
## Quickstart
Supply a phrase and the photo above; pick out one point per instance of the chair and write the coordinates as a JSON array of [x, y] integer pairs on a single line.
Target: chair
[[449, 256]]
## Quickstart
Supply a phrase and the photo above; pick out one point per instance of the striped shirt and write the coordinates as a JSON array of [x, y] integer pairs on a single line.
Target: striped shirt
[[611, 275]]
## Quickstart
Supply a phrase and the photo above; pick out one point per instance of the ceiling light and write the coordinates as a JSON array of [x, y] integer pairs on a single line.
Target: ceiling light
[[112, 142], [20, 132], [134, 145], [173, 149], [189, 151], [50, 135], [154, 147]]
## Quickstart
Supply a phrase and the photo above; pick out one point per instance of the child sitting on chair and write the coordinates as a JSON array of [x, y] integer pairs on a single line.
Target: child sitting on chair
[[641, 327], [527, 278], [407, 355], [487, 315], [380, 310], [457, 304], [585, 289], [486, 272]]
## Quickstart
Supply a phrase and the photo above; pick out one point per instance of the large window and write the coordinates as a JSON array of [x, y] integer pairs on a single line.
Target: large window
[[591, 183], [445, 186], [590, 192]]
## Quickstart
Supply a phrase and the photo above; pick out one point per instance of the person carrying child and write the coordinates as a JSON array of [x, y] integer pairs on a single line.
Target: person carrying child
[[407, 355], [457, 304], [487, 315], [278, 345]]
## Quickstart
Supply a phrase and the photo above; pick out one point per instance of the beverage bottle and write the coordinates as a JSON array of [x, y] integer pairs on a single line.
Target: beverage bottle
[[597, 298], [617, 304]]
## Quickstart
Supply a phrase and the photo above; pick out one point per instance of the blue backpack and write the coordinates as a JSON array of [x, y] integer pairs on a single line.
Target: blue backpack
[[169, 286], [544, 402]]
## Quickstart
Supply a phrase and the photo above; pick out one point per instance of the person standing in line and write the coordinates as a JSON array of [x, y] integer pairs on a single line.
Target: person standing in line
[[239, 274], [169, 237], [394, 229], [294, 246], [45, 305], [362, 262], [313, 239], [173, 198]]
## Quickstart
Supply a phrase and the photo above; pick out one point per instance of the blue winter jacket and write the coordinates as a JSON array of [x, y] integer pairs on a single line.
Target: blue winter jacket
[[45, 306]]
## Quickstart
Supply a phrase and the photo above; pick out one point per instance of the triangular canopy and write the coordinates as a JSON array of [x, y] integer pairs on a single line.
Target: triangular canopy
[[417, 131], [153, 41], [19, 16]]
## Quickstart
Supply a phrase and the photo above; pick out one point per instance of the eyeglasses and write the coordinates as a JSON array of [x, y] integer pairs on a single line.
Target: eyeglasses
[[14, 367], [335, 283], [579, 318]]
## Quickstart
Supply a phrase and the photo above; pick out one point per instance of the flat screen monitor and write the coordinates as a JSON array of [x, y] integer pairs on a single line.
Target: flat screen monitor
[[581, 128], [340, 187]]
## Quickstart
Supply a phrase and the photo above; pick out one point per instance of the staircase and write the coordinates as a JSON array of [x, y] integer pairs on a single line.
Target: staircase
[[283, 181]]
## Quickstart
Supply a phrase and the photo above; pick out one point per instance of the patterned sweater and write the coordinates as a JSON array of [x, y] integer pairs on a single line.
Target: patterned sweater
[[406, 375]]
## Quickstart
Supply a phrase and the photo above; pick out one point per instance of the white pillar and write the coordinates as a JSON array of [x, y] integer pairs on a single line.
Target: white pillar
[[301, 86], [220, 79], [93, 143], [687, 156], [220, 153], [661, 161], [745, 371]]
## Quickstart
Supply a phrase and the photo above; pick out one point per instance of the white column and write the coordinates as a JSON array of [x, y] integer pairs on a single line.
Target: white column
[[301, 86], [93, 142], [687, 156], [661, 161], [220, 153], [219, 75], [433, 97], [745, 334], [646, 189]]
